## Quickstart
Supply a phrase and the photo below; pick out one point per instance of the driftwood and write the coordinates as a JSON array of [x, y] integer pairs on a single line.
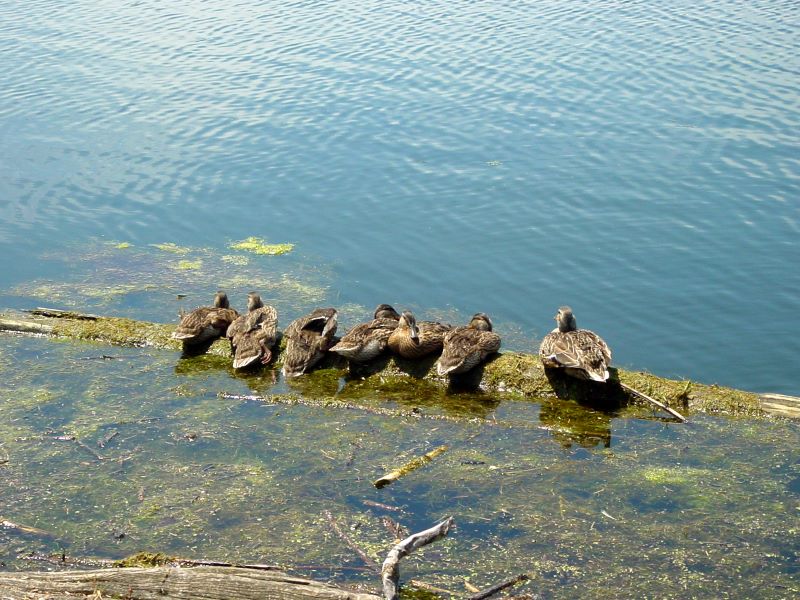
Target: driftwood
[[170, 583], [510, 371], [390, 572], [350, 543], [496, 589], [655, 402], [411, 465]]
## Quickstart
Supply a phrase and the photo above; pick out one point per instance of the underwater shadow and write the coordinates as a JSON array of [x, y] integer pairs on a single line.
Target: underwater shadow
[[470, 381], [362, 370], [417, 368], [604, 396]]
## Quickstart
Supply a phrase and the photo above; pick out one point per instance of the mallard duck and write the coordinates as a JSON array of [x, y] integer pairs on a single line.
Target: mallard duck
[[412, 340], [580, 352], [367, 340], [206, 323], [253, 335], [466, 347], [307, 340]]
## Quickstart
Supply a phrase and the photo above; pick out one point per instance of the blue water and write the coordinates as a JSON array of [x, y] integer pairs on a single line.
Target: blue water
[[639, 161]]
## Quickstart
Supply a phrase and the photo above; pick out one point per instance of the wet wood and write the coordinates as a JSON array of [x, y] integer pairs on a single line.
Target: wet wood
[[496, 589], [18, 326], [6, 524], [782, 405], [509, 371], [411, 465], [170, 583], [655, 402], [62, 314], [390, 571], [365, 558]]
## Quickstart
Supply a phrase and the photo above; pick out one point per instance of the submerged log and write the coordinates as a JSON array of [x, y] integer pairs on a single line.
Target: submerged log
[[509, 371], [170, 583]]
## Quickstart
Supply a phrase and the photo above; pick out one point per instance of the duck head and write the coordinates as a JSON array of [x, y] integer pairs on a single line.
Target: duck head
[[480, 321], [566, 320]]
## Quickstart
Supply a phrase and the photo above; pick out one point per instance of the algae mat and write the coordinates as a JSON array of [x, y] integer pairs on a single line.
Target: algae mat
[[588, 503]]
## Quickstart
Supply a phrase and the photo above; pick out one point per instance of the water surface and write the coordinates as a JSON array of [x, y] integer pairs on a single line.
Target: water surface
[[638, 162]]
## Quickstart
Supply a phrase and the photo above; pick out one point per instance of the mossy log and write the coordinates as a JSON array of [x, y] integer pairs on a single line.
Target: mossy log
[[514, 372], [170, 583]]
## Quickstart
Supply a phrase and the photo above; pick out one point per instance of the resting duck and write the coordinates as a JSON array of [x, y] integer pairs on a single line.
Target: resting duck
[[253, 335], [466, 347], [207, 323], [307, 340], [367, 340], [580, 352], [413, 340]]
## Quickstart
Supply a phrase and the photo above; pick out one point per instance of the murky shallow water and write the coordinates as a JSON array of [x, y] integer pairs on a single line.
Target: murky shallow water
[[588, 503]]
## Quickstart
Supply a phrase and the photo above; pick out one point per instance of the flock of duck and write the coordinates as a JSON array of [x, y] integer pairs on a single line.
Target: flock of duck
[[579, 352]]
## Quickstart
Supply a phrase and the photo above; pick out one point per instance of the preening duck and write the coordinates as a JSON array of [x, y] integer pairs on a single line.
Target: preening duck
[[466, 347], [254, 334], [307, 340]]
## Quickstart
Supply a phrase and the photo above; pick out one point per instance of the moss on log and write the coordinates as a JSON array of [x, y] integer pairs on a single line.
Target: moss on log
[[514, 372], [170, 583]]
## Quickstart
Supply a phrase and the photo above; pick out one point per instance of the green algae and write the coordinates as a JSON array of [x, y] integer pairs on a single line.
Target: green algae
[[172, 247], [582, 498], [188, 265], [122, 245], [100, 276], [257, 245], [238, 260]]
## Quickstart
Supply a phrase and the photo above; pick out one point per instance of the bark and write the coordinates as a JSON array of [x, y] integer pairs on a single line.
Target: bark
[[170, 583]]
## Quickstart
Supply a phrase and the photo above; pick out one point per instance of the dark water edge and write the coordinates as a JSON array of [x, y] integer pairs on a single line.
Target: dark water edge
[[586, 502]]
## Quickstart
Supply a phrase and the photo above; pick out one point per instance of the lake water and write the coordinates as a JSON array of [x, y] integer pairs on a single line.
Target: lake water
[[638, 161]]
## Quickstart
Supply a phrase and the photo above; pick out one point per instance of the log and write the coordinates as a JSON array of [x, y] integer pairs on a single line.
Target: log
[[509, 371], [170, 583], [390, 571], [412, 465]]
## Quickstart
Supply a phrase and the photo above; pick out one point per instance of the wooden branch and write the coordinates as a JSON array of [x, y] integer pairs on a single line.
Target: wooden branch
[[390, 572], [411, 465], [5, 524], [170, 583], [655, 402], [350, 543], [489, 592]]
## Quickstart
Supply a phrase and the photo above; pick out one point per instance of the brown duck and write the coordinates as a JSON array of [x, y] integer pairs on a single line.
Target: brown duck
[[307, 340], [207, 323], [466, 347], [580, 352], [253, 335], [367, 340], [413, 340]]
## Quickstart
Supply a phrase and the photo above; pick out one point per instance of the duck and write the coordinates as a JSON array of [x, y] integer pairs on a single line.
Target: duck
[[467, 346], [581, 353], [367, 340], [413, 340], [207, 323], [253, 334], [307, 340]]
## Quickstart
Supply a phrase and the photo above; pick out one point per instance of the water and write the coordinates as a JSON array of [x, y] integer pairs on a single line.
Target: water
[[584, 501], [637, 162]]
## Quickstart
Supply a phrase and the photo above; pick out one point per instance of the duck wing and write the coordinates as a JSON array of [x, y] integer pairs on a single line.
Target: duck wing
[[465, 348]]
